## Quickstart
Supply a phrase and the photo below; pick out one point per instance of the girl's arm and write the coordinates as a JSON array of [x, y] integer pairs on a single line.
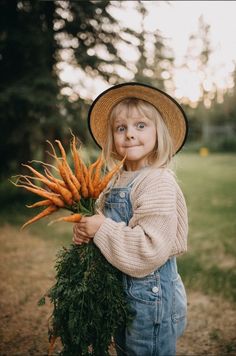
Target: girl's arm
[[158, 227]]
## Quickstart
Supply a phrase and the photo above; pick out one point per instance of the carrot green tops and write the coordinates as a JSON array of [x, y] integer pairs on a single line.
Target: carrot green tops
[[157, 229]]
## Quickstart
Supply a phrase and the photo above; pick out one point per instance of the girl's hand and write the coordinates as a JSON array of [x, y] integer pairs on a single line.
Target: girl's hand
[[85, 230]]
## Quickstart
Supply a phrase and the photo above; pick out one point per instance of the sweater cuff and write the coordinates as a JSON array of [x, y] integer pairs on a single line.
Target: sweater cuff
[[104, 230]]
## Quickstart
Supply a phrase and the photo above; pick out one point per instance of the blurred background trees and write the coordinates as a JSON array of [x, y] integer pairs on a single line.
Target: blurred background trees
[[35, 37], [40, 39]]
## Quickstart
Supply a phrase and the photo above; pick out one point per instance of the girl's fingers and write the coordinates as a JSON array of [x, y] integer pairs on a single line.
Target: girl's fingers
[[80, 233], [80, 226], [81, 230], [77, 229], [80, 236], [79, 241]]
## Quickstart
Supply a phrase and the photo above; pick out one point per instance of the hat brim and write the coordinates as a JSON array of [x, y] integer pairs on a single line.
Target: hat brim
[[170, 110]]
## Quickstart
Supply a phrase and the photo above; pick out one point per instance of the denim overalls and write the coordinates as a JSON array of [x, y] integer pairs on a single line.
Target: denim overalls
[[158, 301]]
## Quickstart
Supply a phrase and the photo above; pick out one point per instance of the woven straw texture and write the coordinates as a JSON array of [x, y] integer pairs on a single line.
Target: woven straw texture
[[169, 109]]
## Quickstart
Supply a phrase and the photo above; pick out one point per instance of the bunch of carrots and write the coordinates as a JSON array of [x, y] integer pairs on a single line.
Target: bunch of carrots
[[73, 190], [88, 299]]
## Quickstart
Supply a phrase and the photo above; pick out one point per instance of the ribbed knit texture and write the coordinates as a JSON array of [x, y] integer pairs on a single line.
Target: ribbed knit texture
[[157, 230]]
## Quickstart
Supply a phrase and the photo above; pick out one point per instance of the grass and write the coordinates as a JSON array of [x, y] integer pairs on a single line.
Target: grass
[[209, 187], [208, 184], [14, 212]]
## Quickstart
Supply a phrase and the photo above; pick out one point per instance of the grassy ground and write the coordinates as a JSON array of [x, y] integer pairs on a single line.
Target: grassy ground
[[208, 269], [209, 186]]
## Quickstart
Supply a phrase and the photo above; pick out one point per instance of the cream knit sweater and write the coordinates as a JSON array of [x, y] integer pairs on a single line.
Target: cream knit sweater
[[157, 230]]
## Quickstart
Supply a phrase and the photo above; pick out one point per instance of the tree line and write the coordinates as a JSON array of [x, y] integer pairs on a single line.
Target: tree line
[[36, 36]]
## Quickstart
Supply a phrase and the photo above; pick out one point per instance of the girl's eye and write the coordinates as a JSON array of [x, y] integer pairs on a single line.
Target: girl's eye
[[120, 128], [141, 125]]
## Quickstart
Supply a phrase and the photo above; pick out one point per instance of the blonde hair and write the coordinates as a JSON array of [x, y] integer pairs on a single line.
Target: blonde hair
[[163, 151]]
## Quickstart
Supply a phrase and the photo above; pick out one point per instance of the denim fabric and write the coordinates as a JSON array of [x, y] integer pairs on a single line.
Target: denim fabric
[[158, 301]]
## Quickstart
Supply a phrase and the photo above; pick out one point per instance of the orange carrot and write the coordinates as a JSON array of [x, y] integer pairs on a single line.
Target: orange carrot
[[43, 164], [71, 218], [65, 194], [97, 173], [93, 166], [79, 174], [51, 185], [74, 180], [55, 187], [85, 171], [66, 177], [54, 179], [44, 194], [67, 167], [90, 185], [84, 189], [59, 163], [36, 173], [82, 177], [75, 159], [49, 210], [27, 182], [54, 155], [40, 203], [109, 175], [90, 176], [63, 174], [63, 153]]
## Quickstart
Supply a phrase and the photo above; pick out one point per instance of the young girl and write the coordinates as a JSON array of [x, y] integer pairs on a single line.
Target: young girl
[[143, 225]]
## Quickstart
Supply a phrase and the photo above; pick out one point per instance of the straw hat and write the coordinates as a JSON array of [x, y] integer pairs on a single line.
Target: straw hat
[[171, 112]]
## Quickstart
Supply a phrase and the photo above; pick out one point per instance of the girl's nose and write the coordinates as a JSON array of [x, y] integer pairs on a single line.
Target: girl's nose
[[129, 134]]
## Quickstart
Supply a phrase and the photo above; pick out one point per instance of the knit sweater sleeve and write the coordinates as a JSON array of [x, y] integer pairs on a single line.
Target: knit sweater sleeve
[[147, 242]]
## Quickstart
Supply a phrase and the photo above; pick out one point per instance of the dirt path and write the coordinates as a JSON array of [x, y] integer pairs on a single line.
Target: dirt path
[[26, 272]]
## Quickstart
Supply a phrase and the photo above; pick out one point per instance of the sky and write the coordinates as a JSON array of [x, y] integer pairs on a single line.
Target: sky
[[177, 21], [180, 19]]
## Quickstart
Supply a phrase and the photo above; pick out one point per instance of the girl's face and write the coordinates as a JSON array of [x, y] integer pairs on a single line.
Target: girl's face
[[134, 136]]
